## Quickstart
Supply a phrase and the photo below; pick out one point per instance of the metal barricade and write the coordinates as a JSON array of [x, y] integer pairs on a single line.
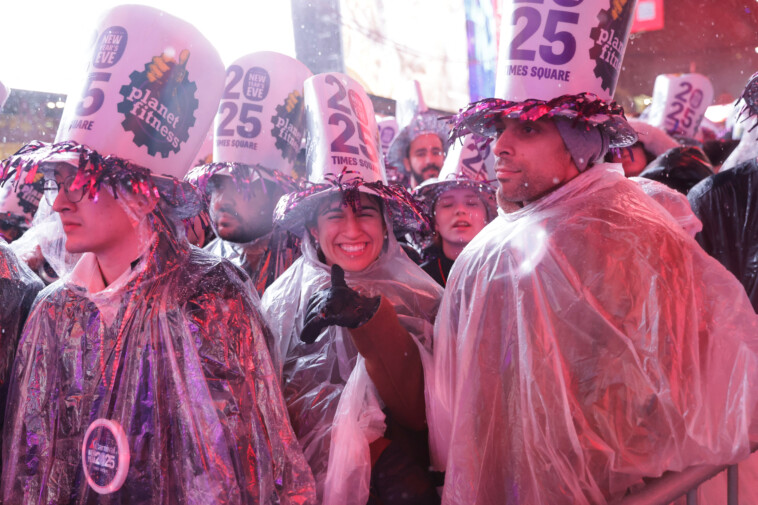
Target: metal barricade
[[674, 485]]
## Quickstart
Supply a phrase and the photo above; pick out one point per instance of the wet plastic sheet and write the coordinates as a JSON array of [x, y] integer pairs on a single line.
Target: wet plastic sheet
[[18, 288], [314, 376], [673, 201], [197, 394], [585, 341]]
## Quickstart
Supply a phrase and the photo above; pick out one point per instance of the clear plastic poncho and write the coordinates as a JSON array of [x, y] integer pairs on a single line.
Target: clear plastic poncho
[[277, 251], [18, 288], [195, 390], [585, 341], [328, 379]]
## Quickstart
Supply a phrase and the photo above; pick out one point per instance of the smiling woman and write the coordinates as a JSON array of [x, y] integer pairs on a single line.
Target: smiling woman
[[350, 238], [348, 344]]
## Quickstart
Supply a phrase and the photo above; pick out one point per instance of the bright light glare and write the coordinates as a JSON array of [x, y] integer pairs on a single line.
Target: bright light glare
[[718, 113], [44, 41]]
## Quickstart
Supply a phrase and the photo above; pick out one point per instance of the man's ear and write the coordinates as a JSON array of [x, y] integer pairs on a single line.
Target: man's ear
[[407, 163]]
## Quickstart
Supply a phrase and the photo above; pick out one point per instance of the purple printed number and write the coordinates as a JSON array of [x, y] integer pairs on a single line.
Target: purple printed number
[[344, 116], [340, 145], [335, 101], [565, 38], [532, 17], [686, 101], [92, 93], [235, 71], [550, 32], [251, 125], [256, 90]]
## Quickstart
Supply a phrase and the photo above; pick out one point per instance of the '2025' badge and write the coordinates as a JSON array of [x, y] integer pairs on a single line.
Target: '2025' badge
[[105, 456]]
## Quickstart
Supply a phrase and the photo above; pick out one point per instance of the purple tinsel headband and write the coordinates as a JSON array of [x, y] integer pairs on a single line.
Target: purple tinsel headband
[[95, 171], [586, 109], [294, 209]]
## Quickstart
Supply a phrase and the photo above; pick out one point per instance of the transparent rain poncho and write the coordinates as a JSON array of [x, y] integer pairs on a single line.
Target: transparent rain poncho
[[18, 288], [585, 341], [195, 391], [673, 201], [334, 407]]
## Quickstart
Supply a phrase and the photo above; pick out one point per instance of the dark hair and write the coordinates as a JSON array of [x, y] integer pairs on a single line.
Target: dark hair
[[649, 157], [719, 150], [349, 197]]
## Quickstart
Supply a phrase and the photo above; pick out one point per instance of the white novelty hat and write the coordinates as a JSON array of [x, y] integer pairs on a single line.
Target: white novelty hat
[[260, 122], [470, 163], [679, 103], [343, 155], [148, 97], [557, 59]]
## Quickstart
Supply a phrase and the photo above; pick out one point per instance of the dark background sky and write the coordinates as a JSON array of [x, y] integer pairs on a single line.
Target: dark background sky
[[716, 38]]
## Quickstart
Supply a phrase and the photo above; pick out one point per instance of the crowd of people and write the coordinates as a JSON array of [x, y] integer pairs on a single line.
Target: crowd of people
[[534, 301]]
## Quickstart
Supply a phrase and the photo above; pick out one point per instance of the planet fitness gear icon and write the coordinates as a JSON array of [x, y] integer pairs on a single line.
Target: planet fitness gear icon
[[159, 104]]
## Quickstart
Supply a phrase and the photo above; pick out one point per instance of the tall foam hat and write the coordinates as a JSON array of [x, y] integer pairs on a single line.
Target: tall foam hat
[[414, 119], [151, 89], [557, 58], [260, 122], [679, 103], [470, 163], [342, 156]]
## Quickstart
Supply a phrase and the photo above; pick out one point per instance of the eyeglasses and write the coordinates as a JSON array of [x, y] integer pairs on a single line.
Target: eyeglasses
[[51, 188]]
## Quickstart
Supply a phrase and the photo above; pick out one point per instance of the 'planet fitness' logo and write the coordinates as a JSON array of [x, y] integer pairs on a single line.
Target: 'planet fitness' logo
[[610, 41], [159, 104], [286, 130]]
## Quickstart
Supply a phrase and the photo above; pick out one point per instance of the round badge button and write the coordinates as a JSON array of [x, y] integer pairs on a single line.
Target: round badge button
[[105, 456]]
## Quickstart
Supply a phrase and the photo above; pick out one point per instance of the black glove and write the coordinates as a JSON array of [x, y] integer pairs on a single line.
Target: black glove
[[337, 306]]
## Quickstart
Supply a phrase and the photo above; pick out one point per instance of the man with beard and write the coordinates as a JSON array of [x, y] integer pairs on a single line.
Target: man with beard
[[421, 145], [253, 164]]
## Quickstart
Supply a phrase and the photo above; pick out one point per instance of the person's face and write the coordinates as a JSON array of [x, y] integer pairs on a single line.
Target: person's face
[[532, 160], [91, 226], [237, 218], [352, 240], [425, 157], [631, 158], [459, 214]]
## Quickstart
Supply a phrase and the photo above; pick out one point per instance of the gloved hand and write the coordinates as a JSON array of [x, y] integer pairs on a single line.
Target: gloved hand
[[337, 306]]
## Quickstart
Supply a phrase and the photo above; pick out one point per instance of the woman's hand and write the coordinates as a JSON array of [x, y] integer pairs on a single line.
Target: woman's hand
[[337, 306]]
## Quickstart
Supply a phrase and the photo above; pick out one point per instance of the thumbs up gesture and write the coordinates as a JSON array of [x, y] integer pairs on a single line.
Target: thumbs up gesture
[[164, 64], [337, 305]]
